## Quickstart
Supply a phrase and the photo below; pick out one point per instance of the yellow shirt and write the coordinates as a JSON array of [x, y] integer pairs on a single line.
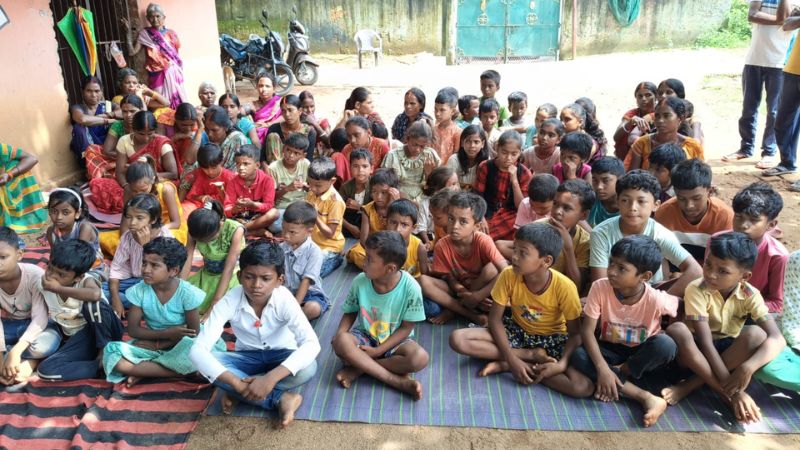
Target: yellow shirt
[[330, 208], [581, 245], [543, 314], [793, 64], [725, 317], [412, 257], [376, 222]]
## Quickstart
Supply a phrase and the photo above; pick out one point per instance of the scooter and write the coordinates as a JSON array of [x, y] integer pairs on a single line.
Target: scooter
[[303, 66], [256, 57]]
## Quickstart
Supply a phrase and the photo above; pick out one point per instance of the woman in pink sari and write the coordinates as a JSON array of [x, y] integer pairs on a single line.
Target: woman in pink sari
[[163, 62], [267, 109]]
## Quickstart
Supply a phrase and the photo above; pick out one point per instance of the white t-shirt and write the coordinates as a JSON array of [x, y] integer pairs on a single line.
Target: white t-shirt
[[606, 234], [769, 43]]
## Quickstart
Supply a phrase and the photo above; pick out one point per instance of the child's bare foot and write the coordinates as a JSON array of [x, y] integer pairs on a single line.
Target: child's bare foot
[[480, 319], [228, 403], [132, 381], [347, 376], [675, 393], [411, 387], [744, 408], [288, 405], [445, 316], [493, 367], [654, 407]]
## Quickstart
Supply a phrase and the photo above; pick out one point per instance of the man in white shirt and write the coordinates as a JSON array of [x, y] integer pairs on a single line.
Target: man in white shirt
[[276, 346], [763, 69]]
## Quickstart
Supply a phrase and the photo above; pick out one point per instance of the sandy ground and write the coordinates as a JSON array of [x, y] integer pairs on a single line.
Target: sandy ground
[[713, 84]]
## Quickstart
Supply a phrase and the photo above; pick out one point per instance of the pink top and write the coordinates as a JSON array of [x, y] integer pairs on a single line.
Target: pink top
[[559, 172], [127, 261], [629, 325], [768, 272], [526, 214], [26, 303]]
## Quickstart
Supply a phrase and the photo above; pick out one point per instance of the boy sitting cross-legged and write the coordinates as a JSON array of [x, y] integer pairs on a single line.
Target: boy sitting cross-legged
[[275, 345], [714, 342], [466, 262], [374, 336], [629, 313], [536, 340]]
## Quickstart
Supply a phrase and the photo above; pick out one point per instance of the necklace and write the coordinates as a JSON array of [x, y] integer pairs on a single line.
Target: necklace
[[622, 298]]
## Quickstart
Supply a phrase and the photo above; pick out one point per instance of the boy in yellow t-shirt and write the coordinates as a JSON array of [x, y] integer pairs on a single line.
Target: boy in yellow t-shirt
[[327, 232], [714, 342], [402, 218], [536, 341]]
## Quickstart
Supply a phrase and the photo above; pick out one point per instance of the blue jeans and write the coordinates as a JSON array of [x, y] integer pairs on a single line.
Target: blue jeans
[[330, 262], [77, 358], [42, 346], [319, 298], [787, 122], [754, 80], [249, 363], [656, 352], [124, 285]]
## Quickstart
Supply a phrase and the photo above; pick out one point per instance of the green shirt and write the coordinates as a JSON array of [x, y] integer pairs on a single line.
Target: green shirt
[[283, 176], [380, 315]]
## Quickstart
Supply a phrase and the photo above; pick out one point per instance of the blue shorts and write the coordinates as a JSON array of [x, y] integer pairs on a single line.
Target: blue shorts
[[364, 338], [316, 296]]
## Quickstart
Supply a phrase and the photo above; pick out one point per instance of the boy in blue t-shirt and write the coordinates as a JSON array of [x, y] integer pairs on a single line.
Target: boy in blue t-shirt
[[374, 336], [605, 173]]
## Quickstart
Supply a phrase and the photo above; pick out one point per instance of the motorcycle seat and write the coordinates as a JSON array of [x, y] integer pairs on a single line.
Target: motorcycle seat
[[232, 42]]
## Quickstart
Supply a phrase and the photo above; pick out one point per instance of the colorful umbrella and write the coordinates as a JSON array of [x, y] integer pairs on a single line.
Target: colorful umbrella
[[77, 26]]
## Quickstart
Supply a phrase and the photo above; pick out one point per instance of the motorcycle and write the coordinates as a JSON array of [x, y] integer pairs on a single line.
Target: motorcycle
[[260, 55], [303, 66]]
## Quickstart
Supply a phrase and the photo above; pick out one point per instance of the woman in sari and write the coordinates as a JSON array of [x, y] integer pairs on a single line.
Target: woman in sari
[[24, 209], [290, 110], [638, 121], [144, 141], [101, 162], [266, 110], [671, 128], [162, 62], [90, 119]]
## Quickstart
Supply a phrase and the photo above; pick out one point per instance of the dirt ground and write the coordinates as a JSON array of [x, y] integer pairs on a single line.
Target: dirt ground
[[713, 84]]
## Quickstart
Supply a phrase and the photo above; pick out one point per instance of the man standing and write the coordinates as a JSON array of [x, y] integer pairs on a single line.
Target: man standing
[[762, 71]]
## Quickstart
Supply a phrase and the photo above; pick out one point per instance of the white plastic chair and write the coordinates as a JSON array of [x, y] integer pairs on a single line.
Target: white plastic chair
[[368, 41]]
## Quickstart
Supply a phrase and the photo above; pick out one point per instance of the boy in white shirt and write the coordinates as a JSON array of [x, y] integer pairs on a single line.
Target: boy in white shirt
[[275, 345]]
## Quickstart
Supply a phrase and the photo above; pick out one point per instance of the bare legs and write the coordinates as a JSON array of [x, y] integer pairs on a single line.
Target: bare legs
[[394, 370]]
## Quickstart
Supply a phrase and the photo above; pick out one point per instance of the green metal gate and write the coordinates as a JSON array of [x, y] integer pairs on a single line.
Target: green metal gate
[[508, 29]]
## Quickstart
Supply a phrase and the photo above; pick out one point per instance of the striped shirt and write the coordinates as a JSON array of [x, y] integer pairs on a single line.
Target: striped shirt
[[127, 261]]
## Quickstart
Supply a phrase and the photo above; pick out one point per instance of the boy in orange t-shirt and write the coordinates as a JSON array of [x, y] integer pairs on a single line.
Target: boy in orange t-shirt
[[466, 264]]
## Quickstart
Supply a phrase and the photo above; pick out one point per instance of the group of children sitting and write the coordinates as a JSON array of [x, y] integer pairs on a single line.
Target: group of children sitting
[[576, 273]]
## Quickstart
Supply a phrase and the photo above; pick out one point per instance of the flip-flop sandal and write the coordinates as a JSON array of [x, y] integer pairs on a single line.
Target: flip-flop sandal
[[736, 156], [794, 187], [777, 170]]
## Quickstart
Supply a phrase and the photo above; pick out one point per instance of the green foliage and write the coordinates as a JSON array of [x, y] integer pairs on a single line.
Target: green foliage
[[734, 32]]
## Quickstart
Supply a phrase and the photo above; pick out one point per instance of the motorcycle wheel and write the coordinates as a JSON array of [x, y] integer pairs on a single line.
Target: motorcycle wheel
[[284, 78], [306, 74]]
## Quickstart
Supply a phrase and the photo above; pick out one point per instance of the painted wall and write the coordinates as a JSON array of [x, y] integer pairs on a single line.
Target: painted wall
[[36, 113], [661, 24], [407, 26]]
